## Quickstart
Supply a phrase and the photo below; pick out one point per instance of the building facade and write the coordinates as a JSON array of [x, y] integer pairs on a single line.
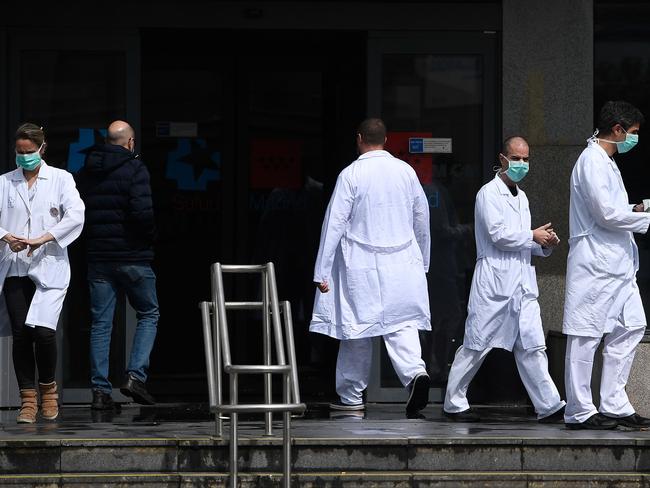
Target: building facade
[[245, 112]]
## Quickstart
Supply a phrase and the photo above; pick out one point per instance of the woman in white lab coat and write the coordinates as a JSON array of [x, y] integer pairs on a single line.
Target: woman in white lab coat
[[602, 296], [41, 213]]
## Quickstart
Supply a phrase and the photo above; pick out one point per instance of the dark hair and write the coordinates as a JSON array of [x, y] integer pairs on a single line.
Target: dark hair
[[32, 132], [508, 140], [373, 131], [618, 112]]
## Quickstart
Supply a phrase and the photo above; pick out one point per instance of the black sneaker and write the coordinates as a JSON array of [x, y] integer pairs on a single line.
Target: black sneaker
[[135, 389], [339, 405], [418, 393], [634, 420], [102, 401], [596, 422], [464, 416], [554, 418]]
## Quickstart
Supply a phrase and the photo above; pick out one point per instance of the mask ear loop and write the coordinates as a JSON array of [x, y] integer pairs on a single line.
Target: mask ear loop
[[594, 137]]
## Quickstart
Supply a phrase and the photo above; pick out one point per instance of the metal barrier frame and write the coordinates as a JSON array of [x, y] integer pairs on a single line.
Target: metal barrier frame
[[218, 360]]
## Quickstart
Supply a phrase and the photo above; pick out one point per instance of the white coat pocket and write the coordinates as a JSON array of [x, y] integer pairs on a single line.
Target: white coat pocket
[[50, 271], [49, 220], [496, 283]]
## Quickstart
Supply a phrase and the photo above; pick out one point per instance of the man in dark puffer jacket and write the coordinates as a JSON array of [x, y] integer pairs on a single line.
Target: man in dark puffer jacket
[[119, 231]]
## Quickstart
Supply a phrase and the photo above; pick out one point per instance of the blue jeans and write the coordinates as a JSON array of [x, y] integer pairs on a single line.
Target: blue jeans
[[139, 283]]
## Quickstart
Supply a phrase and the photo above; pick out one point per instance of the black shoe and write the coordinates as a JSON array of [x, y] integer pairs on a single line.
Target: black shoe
[[418, 393], [464, 416], [135, 389], [595, 422], [554, 418], [339, 405], [102, 401], [415, 416], [634, 420]]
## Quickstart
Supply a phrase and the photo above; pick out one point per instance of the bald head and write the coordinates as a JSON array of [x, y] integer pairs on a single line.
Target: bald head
[[122, 134], [513, 142]]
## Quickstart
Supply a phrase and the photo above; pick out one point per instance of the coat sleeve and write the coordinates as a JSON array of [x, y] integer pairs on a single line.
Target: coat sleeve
[[421, 222], [72, 213], [140, 203], [3, 232], [598, 198], [490, 214], [335, 222], [538, 250]]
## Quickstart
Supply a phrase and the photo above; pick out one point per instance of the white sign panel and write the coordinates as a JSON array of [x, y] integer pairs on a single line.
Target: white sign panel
[[430, 145]]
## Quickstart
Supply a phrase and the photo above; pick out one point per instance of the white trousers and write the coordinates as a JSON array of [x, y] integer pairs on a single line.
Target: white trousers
[[355, 358], [618, 354], [532, 365]]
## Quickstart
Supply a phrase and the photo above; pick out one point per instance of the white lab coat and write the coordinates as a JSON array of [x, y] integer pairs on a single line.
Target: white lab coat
[[503, 297], [601, 288], [56, 208], [374, 252]]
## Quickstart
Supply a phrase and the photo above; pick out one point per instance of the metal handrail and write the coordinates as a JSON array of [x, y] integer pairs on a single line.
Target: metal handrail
[[219, 359]]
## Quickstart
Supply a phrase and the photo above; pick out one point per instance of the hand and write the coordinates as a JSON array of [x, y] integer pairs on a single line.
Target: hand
[[554, 241], [38, 242], [542, 235], [638, 208], [323, 287], [16, 244]]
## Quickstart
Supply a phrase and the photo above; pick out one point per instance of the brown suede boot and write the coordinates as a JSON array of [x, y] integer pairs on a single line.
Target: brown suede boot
[[49, 403], [28, 407]]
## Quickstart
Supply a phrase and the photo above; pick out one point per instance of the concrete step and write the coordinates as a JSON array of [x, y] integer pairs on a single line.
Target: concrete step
[[378, 479], [260, 454]]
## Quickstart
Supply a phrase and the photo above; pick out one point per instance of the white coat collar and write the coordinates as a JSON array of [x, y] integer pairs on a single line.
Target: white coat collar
[[609, 158], [44, 173], [18, 178], [375, 154], [513, 200], [503, 188]]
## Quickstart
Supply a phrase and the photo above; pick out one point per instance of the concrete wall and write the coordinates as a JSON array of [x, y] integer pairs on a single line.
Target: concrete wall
[[548, 98]]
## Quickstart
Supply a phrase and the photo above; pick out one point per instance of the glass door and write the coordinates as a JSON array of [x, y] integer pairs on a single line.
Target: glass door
[[437, 95], [188, 139], [301, 97], [74, 85]]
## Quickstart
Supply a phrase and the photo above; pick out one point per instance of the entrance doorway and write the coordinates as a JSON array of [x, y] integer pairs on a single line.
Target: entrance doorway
[[244, 133], [437, 94]]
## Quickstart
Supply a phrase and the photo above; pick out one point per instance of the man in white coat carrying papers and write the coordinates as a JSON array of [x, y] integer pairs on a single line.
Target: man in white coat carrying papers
[[370, 270], [503, 311], [602, 296]]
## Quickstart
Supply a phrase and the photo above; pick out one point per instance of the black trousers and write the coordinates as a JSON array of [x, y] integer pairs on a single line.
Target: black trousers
[[33, 346]]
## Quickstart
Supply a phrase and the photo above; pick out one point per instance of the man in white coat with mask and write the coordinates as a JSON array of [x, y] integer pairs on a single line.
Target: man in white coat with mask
[[602, 296], [370, 270], [503, 310]]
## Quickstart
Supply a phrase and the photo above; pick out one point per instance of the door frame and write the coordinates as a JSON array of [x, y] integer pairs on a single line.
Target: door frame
[[127, 41], [484, 44]]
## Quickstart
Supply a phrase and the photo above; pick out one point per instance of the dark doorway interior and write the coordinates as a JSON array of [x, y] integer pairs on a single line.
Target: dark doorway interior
[[244, 133]]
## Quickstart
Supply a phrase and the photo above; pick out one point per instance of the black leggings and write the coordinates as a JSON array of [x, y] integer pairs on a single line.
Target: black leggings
[[19, 292]]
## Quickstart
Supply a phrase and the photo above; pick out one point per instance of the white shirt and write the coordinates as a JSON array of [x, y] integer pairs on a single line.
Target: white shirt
[[20, 266]]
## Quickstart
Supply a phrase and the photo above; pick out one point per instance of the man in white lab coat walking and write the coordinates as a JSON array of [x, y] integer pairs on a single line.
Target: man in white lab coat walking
[[602, 296], [370, 270], [503, 310]]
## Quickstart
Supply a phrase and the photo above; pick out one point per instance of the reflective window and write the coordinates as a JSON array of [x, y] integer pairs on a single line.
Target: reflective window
[[439, 97], [622, 72], [73, 95]]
